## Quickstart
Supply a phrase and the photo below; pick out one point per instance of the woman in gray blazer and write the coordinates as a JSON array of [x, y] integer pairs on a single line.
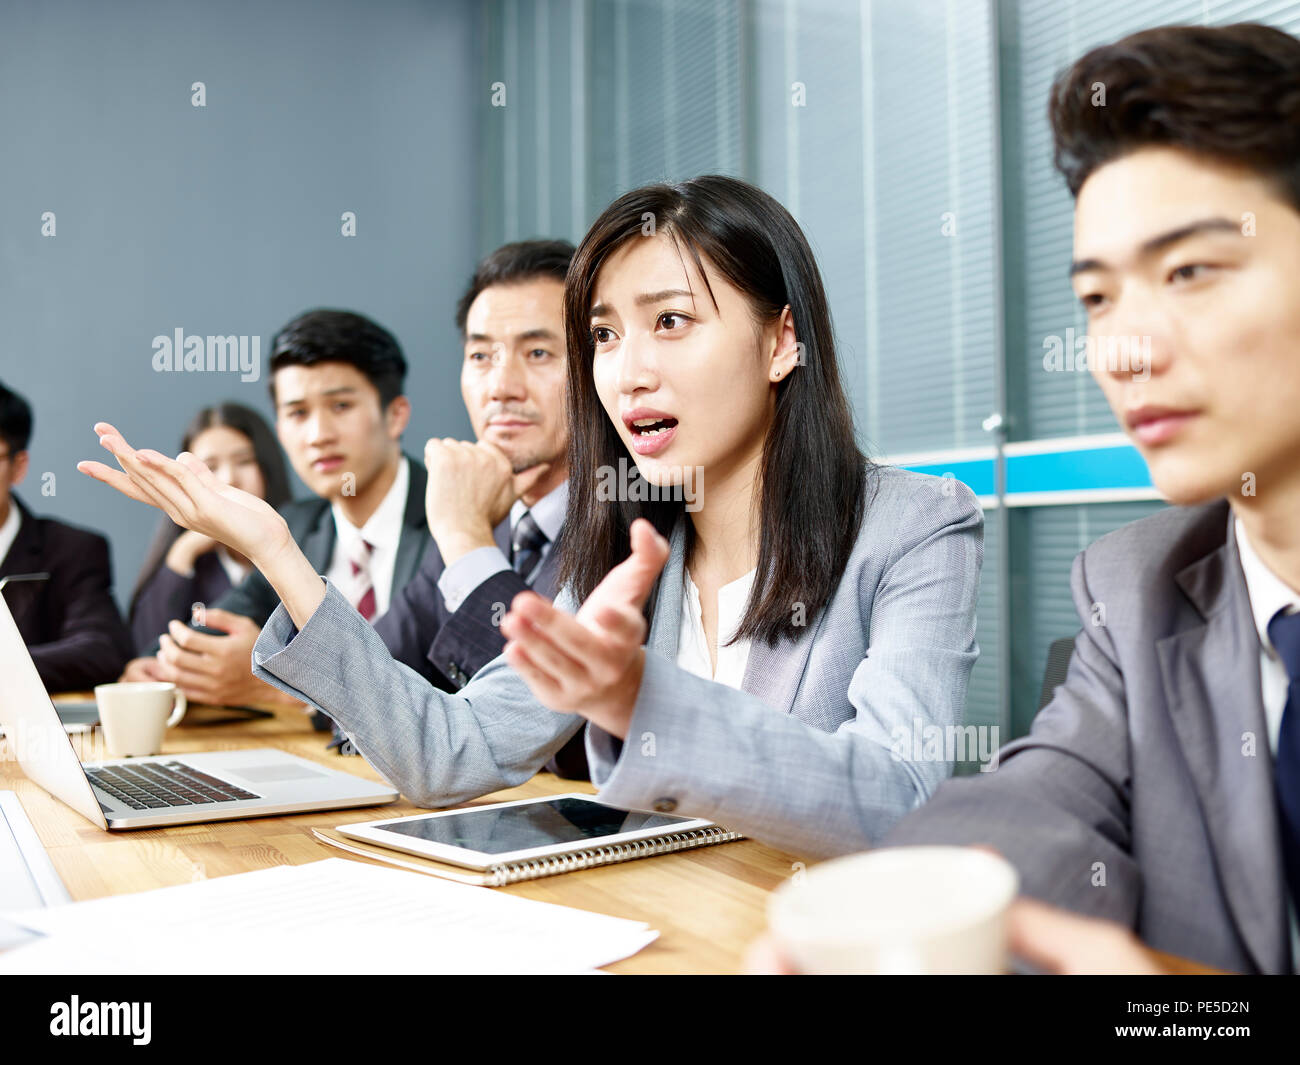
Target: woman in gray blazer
[[791, 621]]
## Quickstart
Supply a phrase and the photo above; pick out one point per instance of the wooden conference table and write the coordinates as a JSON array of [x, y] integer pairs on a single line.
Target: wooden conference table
[[708, 904]]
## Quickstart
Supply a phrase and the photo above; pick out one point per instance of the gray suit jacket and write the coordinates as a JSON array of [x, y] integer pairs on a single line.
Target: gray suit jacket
[[804, 757], [1144, 792]]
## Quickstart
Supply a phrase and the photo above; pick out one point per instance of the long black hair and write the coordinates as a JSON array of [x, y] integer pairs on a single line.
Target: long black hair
[[266, 450], [813, 477]]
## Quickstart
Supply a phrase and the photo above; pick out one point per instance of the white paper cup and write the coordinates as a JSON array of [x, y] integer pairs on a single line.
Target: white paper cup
[[897, 910], [135, 715]]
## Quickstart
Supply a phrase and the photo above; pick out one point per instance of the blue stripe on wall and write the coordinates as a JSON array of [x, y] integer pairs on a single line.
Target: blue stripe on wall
[[1063, 471], [1088, 469], [976, 474]]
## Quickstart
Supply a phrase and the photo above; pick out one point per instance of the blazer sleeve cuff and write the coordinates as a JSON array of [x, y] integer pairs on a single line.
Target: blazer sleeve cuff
[[297, 662], [468, 572], [644, 772]]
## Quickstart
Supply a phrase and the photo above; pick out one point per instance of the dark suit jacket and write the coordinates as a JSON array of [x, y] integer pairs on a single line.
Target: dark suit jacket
[[448, 648], [70, 623], [1144, 792], [311, 524], [167, 596]]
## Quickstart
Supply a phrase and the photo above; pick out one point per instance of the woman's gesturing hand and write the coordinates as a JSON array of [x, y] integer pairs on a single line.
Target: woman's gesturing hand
[[191, 495], [590, 663]]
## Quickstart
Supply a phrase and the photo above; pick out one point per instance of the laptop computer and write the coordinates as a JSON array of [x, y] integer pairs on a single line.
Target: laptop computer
[[162, 790]]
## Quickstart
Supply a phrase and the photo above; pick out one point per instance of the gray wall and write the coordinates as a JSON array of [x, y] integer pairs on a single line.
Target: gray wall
[[223, 219]]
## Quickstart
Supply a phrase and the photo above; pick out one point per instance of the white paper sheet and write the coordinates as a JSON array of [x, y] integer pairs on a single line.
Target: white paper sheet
[[331, 916]]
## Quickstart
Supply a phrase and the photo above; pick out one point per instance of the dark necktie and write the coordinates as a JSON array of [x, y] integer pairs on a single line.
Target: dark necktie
[[526, 545], [1284, 632]]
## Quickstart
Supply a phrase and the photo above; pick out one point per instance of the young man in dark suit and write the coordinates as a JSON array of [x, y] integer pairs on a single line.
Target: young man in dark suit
[[495, 506], [1159, 791], [69, 621], [336, 381]]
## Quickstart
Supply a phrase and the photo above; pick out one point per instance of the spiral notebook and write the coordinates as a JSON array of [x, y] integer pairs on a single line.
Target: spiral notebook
[[440, 846]]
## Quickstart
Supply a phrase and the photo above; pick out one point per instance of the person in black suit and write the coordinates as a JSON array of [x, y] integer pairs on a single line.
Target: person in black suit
[[337, 384], [69, 622], [182, 568], [495, 507]]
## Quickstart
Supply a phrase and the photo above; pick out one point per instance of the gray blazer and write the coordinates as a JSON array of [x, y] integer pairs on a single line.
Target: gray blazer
[[1144, 792], [804, 757]]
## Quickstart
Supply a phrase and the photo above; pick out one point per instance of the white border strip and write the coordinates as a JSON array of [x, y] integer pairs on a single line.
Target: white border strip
[[1094, 442], [1056, 499], [1086, 495]]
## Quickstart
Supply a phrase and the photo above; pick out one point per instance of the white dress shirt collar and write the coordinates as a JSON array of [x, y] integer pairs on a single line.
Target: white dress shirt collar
[[692, 643], [235, 571], [384, 526], [382, 531], [1267, 591], [9, 530]]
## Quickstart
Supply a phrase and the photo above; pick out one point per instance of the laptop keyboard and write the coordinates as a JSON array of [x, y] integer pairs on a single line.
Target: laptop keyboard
[[156, 785]]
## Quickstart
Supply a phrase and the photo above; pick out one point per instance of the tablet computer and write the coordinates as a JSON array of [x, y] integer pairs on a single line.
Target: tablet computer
[[525, 829]]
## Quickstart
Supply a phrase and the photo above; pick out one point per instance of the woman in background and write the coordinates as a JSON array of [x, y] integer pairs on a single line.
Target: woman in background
[[182, 567]]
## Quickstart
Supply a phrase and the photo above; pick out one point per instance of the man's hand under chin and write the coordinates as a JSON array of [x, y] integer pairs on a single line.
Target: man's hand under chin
[[470, 491]]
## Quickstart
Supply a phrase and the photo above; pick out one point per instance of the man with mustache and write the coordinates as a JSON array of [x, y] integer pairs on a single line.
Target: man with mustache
[[496, 506]]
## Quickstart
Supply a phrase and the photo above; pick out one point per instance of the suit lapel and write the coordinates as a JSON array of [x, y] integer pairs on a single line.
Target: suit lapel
[[415, 530], [25, 555], [1212, 688], [547, 573], [772, 673], [318, 541], [665, 625]]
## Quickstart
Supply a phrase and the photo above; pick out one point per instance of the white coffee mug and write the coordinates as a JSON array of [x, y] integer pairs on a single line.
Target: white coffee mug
[[897, 910], [136, 714]]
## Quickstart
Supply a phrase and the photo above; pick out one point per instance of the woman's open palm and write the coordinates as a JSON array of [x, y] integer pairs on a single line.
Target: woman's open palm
[[188, 493]]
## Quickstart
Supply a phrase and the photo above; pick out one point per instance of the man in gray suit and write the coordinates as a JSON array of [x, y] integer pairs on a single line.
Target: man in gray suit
[[1160, 789]]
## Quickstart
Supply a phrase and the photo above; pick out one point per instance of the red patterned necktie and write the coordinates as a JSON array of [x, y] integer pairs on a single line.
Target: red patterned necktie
[[363, 590]]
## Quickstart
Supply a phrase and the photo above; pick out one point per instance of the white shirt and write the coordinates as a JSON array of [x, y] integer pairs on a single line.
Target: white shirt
[[1268, 594], [9, 530], [235, 571], [472, 569], [693, 646], [382, 532]]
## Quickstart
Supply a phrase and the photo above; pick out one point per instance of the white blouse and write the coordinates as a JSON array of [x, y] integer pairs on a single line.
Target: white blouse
[[693, 647]]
